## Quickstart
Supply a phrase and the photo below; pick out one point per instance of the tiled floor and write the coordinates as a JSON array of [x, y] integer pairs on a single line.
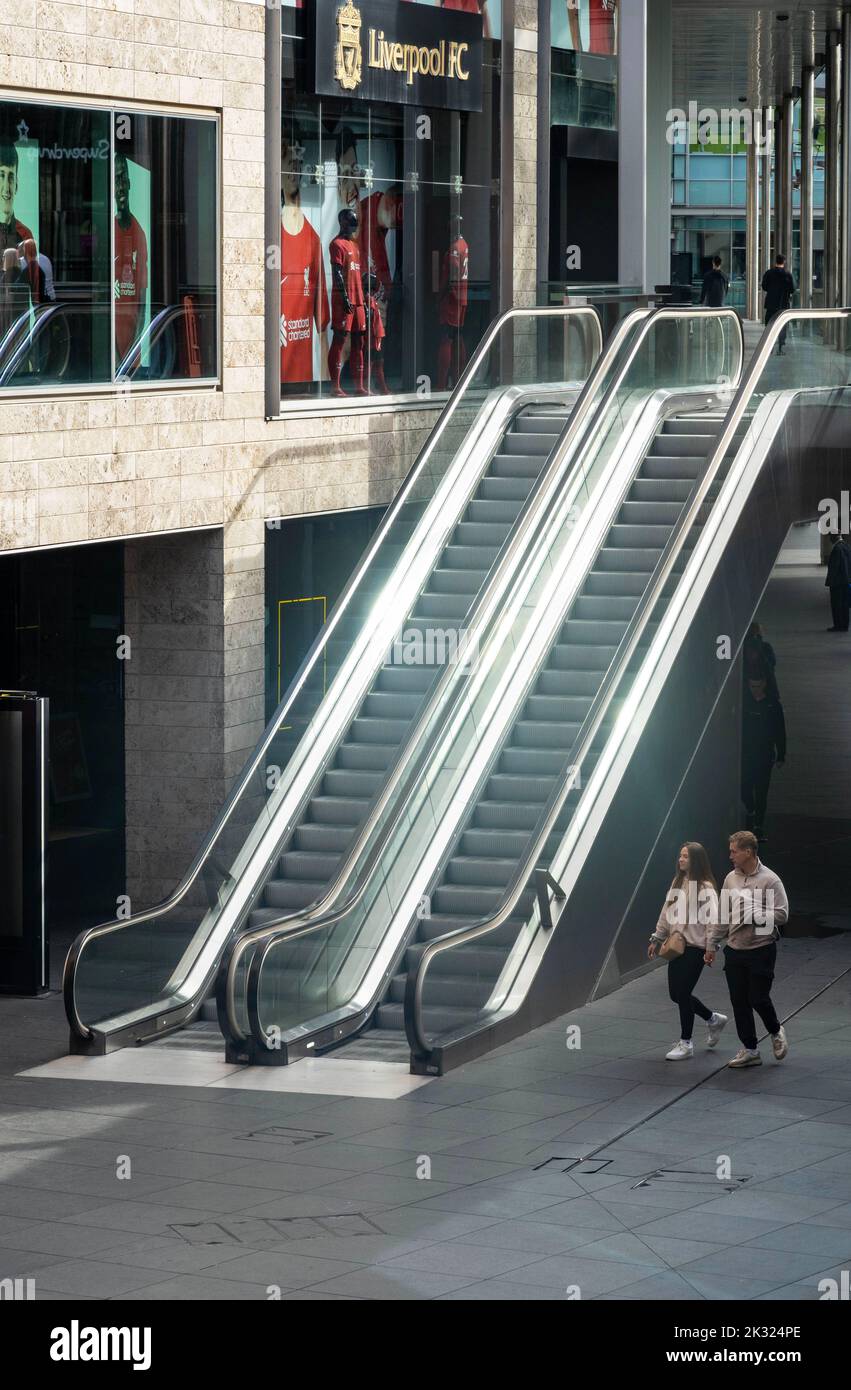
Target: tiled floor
[[469, 1187]]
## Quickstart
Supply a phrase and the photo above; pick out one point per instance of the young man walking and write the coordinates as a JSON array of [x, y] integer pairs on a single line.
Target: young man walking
[[778, 287], [753, 908]]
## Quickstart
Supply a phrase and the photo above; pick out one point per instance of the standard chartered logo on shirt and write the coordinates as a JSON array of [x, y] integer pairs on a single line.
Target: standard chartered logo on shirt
[[294, 330]]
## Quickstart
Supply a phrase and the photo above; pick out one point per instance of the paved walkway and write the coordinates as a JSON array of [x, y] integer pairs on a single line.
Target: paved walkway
[[536, 1170]]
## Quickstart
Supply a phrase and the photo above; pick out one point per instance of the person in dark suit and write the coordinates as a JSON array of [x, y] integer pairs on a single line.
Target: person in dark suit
[[763, 744], [837, 581], [779, 288], [715, 286]]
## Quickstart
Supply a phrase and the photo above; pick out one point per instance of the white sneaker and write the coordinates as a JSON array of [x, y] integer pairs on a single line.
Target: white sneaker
[[745, 1058], [680, 1051], [780, 1045], [716, 1025]]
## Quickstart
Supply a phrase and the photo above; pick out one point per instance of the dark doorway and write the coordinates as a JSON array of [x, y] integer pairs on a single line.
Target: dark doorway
[[61, 613], [583, 206]]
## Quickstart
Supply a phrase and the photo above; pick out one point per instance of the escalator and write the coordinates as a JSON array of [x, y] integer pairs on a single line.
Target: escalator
[[463, 519], [480, 779], [654, 750]]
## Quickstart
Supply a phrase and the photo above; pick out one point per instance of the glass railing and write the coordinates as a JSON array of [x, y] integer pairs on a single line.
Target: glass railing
[[814, 362], [145, 974], [312, 983]]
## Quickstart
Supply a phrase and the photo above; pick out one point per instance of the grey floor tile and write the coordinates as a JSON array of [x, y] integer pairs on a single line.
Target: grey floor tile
[[783, 1207], [582, 1211], [386, 1190], [677, 1251], [357, 1249], [195, 1288], [726, 1230], [312, 1204], [498, 1203], [60, 1238], [431, 1225], [281, 1267], [96, 1279], [391, 1285], [572, 1269], [750, 1262], [170, 1253], [808, 1239], [283, 1177], [454, 1169], [836, 1217], [625, 1247], [658, 1288], [461, 1258], [533, 1235], [15, 1264], [503, 1291], [140, 1218], [791, 1293], [723, 1288]]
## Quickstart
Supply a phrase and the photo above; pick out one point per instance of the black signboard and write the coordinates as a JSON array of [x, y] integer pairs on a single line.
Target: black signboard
[[394, 51], [23, 842]]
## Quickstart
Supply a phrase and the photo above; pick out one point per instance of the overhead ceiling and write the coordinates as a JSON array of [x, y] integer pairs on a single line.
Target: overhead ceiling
[[740, 49]]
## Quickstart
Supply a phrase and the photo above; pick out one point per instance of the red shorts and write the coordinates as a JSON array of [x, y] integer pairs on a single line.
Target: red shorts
[[341, 322]]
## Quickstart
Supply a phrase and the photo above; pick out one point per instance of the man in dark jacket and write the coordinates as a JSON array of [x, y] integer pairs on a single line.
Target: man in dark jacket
[[779, 287], [763, 742], [837, 581], [715, 286]]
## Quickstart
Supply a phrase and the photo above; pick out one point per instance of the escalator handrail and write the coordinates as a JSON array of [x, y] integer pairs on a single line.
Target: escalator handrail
[[317, 916], [288, 926], [420, 1047], [150, 334], [84, 938]]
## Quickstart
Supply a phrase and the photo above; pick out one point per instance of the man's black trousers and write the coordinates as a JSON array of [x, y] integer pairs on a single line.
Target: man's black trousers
[[750, 975]]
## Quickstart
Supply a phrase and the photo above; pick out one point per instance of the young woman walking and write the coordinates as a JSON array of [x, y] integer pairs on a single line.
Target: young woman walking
[[689, 909]]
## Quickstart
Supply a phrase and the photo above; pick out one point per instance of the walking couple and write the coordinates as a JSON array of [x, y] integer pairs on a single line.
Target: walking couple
[[690, 929]]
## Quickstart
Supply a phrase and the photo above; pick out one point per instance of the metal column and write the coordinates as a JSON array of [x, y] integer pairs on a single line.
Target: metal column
[[752, 234], [788, 132], [808, 90], [765, 207], [832, 78], [845, 167], [777, 217]]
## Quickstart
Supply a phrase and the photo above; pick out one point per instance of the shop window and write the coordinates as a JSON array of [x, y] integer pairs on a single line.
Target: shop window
[[108, 261], [389, 222]]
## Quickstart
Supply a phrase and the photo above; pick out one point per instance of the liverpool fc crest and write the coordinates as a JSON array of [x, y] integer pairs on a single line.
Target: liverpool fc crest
[[348, 61]]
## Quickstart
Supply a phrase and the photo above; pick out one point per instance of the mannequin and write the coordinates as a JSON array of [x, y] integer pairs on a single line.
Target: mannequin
[[348, 310]]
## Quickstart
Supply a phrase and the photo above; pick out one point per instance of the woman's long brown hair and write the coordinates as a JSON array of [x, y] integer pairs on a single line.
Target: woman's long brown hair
[[699, 867]]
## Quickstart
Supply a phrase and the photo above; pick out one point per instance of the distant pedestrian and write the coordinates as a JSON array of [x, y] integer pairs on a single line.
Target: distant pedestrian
[[763, 743], [759, 659], [779, 288], [715, 286], [837, 581], [753, 908], [690, 912]]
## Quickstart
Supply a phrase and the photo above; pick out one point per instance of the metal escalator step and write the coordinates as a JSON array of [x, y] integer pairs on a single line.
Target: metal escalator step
[[482, 961], [515, 466], [467, 582], [694, 424], [573, 685], [558, 709], [348, 782], [292, 893], [618, 559], [443, 609], [544, 421], [314, 866], [533, 762], [480, 873], [526, 444], [544, 734], [580, 656], [364, 757], [323, 839], [441, 924], [479, 533], [657, 467], [521, 788], [363, 729], [337, 810], [592, 632], [649, 513], [476, 901], [690, 445], [393, 705], [604, 607], [634, 537], [391, 1016], [660, 490], [404, 679], [471, 990], [470, 556], [488, 512], [513, 489], [619, 583], [478, 843]]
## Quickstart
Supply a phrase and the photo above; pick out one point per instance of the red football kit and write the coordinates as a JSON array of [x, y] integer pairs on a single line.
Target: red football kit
[[131, 282], [346, 255], [377, 331], [304, 301], [373, 238], [454, 279], [602, 19]]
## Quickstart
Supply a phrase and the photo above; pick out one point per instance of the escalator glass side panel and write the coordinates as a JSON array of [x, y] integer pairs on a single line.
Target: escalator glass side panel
[[129, 973], [343, 963]]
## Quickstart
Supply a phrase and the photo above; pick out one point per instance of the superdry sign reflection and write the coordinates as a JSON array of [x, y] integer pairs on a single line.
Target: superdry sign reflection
[[402, 53]]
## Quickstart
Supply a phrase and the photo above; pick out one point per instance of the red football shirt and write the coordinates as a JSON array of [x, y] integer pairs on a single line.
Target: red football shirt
[[131, 282], [602, 19], [373, 238], [377, 330], [454, 281], [304, 301], [346, 255]]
